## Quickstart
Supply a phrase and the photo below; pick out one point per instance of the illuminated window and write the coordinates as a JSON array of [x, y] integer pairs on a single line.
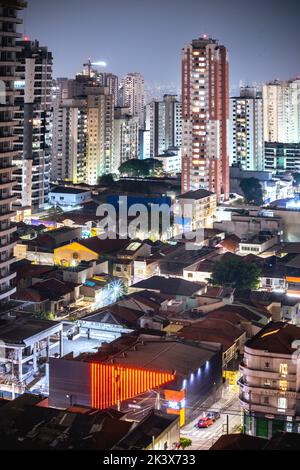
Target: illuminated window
[[282, 404], [283, 385], [283, 370]]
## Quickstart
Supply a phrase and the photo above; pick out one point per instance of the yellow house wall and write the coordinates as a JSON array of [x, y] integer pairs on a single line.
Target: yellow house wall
[[65, 254]]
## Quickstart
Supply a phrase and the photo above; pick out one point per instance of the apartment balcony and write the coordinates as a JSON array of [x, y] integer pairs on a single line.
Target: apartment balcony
[[10, 49], [265, 409], [8, 77], [7, 168], [7, 231], [7, 292], [7, 123], [7, 199], [7, 215], [7, 262], [11, 34], [267, 391], [8, 138], [8, 246], [266, 373], [10, 19]]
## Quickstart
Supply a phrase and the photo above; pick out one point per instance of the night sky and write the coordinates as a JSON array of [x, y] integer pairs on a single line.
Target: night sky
[[262, 36]]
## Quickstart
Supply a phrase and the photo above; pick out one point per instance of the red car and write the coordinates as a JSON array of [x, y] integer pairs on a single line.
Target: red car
[[204, 422]]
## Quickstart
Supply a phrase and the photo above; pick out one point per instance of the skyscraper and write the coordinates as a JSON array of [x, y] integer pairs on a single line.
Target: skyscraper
[[133, 95], [34, 79], [247, 131], [8, 63], [126, 137], [112, 82], [163, 120], [282, 111], [205, 117], [99, 145], [83, 132]]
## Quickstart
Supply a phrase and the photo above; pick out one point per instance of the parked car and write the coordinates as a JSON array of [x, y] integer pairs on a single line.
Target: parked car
[[214, 415], [204, 422]]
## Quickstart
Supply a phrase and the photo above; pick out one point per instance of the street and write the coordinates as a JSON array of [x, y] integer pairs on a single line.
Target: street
[[203, 439]]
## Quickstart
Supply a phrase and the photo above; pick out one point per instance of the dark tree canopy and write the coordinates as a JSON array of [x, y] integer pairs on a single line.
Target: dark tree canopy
[[106, 180], [236, 273], [147, 167], [252, 190]]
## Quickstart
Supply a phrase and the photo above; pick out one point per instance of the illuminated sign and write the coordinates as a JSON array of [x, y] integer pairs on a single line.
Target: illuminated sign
[[112, 384]]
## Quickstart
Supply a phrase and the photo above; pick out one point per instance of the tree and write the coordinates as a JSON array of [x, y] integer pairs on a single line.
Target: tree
[[43, 315], [252, 190], [185, 442], [155, 166], [106, 180], [237, 273], [134, 168]]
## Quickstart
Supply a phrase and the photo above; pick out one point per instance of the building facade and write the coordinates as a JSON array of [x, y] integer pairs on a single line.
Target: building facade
[[134, 95], [126, 137], [247, 133], [9, 11], [282, 157], [34, 82], [205, 117], [163, 120], [269, 387], [282, 111]]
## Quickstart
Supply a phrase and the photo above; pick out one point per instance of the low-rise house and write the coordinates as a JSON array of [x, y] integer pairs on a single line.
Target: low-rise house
[[181, 289], [68, 197], [41, 249], [50, 296], [25, 345]]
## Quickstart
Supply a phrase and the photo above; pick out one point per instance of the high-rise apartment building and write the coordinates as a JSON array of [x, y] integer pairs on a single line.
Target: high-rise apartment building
[[82, 131], [246, 130], [69, 140], [112, 82], [99, 144], [205, 117], [282, 111], [134, 95], [269, 386], [9, 20], [126, 137], [34, 82], [163, 120]]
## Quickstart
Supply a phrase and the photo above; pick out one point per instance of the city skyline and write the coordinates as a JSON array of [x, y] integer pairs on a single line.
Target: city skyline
[[250, 62]]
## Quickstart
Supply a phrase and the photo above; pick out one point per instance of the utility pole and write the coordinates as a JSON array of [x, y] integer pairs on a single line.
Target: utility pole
[[227, 424]]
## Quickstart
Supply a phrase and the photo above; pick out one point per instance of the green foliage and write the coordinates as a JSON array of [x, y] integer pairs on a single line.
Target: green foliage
[[140, 168], [252, 190], [43, 316], [236, 273], [106, 180], [155, 166], [185, 442], [134, 168]]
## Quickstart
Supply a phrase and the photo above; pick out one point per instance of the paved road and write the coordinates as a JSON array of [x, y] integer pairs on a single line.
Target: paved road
[[203, 439]]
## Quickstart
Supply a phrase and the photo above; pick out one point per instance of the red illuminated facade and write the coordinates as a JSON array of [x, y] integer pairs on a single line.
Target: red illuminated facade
[[112, 384], [205, 117]]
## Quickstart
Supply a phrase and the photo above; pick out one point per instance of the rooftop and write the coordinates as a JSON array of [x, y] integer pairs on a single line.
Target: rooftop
[[20, 329], [198, 194], [156, 354], [65, 190], [170, 285], [276, 338]]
